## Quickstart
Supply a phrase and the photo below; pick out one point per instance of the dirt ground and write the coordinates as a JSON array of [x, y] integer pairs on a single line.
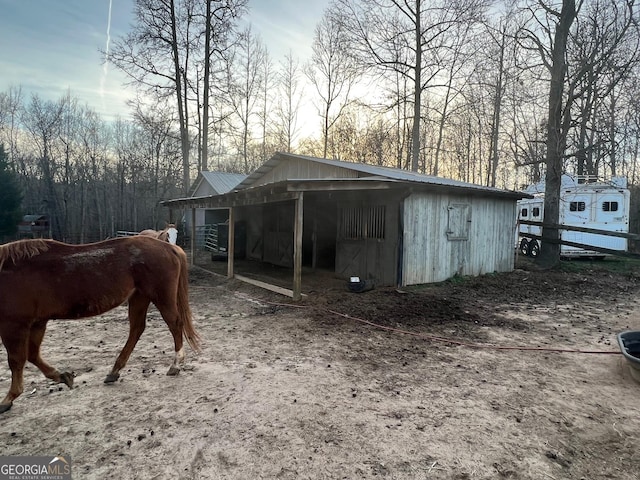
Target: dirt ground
[[303, 391]]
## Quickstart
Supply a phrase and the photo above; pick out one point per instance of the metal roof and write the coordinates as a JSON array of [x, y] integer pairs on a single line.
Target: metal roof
[[33, 217], [584, 182], [221, 182], [373, 177], [372, 170]]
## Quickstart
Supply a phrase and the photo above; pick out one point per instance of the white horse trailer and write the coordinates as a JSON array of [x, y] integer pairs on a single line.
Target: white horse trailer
[[583, 203]]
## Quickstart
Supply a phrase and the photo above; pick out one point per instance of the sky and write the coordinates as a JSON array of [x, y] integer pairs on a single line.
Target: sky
[[49, 47]]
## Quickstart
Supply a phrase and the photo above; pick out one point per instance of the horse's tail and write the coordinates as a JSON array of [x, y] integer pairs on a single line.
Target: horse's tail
[[184, 310]]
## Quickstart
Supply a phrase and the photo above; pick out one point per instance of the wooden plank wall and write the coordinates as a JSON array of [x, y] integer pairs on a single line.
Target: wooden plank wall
[[430, 256], [301, 169]]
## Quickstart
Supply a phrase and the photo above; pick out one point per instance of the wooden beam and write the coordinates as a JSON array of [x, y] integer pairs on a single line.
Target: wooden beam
[[267, 286], [238, 199], [575, 228], [297, 247], [193, 236], [608, 251], [339, 185], [314, 241]]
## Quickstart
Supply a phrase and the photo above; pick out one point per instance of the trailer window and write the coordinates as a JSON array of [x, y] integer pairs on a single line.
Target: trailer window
[[524, 212], [535, 211], [577, 206], [609, 206]]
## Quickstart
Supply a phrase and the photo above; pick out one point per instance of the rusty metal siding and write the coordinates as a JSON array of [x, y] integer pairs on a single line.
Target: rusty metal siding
[[433, 252], [303, 169]]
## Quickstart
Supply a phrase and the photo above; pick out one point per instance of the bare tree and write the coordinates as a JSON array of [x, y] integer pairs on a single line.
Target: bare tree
[[332, 71], [404, 37], [289, 103], [630, 134], [265, 108], [126, 147], [499, 69], [602, 54], [556, 131], [219, 20], [93, 165], [159, 163], [204, 162], [155, 54], [552, 37], [458, 46], [246, 79], [10, 104], [41, 120]]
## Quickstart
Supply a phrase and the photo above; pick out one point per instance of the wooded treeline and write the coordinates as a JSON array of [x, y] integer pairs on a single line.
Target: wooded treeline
[[459, 89]]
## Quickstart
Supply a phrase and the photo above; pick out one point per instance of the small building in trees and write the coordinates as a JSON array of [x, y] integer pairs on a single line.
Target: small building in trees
[[386, 226], [34, 226]]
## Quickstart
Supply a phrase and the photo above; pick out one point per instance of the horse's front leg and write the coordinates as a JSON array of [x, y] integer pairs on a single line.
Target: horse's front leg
[[16, 363], [138, 306], [15, 342], [35, 341]]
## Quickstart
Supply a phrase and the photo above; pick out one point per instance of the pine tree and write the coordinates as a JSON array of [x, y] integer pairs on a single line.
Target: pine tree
[[10, 198]]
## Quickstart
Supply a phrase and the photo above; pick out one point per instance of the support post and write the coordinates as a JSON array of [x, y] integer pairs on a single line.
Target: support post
[[314, 242], [193, 236], [231, 243], [297, 247]]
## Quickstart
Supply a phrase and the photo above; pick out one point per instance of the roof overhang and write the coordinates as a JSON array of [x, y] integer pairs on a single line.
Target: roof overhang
[[291, 189]]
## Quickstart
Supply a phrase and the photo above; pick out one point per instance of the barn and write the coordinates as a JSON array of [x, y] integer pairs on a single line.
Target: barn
[[34, 226], [207, 184], [386, 226]]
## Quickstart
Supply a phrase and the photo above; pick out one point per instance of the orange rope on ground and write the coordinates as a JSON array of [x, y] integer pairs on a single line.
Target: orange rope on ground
[[448, 340], [473, 345]]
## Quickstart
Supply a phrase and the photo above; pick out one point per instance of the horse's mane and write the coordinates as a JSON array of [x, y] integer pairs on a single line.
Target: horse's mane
[[16, 251]]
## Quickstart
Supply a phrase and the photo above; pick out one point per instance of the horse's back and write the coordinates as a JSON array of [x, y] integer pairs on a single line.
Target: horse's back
[[150, 233], [74, 281]]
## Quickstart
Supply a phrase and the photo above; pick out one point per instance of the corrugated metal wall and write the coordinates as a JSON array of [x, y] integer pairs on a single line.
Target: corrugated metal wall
[[435, 248]]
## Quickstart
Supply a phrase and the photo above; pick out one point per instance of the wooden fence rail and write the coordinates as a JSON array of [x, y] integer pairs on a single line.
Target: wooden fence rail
[[607, 251], [123, 233], [608, 233]]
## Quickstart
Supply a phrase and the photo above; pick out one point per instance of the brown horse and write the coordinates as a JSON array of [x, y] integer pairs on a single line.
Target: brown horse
[[169, 234], [45, 279]]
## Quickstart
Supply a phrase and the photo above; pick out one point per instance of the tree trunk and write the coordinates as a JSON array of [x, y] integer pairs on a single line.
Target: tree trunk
[[556, 136], [415, 131], [184, 131], [612, 134], [495, 123], [441, 125], [205, 107]]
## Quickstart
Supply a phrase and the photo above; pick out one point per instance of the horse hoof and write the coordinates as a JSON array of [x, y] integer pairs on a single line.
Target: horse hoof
[[173, 371], [112, 377], [67, 379], [5, 407]]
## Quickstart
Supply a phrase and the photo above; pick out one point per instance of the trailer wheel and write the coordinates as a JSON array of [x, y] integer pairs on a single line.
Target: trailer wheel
[[524, 246], [534, 248]]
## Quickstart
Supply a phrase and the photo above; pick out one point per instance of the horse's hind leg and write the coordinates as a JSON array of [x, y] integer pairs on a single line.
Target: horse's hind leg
[[138, 306], [15, 342], [35, 340], [172, 319]]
